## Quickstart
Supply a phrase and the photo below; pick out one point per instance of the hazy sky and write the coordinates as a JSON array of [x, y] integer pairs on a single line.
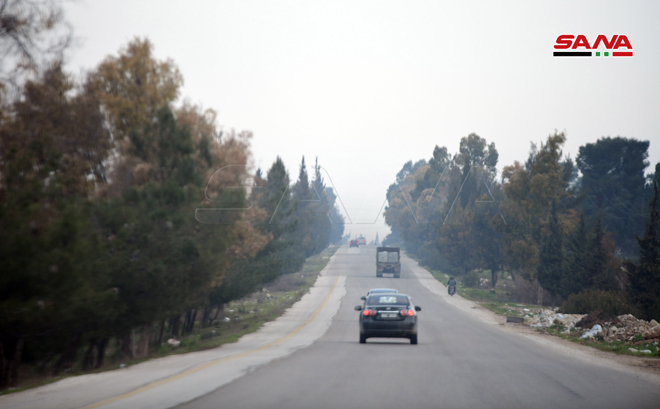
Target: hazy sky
[[366, 86]]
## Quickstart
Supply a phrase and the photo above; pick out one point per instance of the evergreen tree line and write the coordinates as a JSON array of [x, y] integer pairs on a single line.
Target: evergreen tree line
[[126, 218], [560, 227]]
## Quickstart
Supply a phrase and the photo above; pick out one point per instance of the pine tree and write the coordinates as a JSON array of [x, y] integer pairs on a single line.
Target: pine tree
[[644, 275], [280, 256]]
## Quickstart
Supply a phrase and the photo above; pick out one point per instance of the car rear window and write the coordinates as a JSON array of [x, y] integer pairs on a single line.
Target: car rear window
[[388, 299], [385, 290]]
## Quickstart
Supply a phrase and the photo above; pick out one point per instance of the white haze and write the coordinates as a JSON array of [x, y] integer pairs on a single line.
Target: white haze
[[366, 86]]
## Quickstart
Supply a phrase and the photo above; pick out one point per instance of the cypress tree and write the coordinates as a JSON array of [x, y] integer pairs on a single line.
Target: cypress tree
[[551, 258], [575, 279], [600, 276]]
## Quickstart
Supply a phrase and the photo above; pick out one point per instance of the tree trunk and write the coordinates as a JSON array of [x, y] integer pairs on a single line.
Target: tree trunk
[[43, 364], [175, 327], [3, 364], [205, 316], [220, 308], [186, 323], [160, 333], [88, 360], [18, 355], [145, 337], [539, 297], [67, 358], [133, 344], [126, 345], [493, 277], [100, 352], [139, 347], [192, 321]]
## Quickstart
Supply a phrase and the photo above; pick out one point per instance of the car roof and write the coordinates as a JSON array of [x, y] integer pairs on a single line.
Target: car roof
[[383, 290], [376, 296]]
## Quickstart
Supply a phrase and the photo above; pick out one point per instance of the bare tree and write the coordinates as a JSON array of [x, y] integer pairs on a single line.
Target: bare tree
[[32, 33]]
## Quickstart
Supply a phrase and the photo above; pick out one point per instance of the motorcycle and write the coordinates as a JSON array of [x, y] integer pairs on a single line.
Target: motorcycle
[[452, 290]]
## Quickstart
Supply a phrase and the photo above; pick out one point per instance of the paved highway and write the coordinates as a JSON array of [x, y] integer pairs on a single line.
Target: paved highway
[[311, 358], [460, 362]]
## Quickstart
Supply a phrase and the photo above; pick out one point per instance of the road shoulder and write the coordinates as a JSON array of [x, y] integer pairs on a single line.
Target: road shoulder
[[647, 368], [149, 384]]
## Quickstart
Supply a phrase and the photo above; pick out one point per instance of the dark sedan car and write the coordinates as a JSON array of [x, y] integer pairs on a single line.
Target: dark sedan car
[[388, 316]]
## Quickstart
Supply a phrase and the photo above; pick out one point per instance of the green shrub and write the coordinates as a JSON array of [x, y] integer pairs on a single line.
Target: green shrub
[[611, 302], [470, 279], [207, 335]]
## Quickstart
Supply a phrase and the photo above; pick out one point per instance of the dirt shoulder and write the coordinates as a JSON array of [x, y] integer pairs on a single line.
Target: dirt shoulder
[[646, 367], [629, 362], [175, 379], [240, 318]]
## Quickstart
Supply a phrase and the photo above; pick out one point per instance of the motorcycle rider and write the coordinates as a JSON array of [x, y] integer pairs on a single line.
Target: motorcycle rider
[[451, 283]]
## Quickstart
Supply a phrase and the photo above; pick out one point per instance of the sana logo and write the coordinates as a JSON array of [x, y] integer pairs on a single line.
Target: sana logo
[[617, 46]]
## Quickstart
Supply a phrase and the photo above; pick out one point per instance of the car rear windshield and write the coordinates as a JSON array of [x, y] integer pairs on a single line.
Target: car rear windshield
[[388, 299]]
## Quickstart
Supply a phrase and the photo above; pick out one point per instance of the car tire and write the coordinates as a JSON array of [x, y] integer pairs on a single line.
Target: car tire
[[397, 276], [413, 339], [379, 275], [363, 339]]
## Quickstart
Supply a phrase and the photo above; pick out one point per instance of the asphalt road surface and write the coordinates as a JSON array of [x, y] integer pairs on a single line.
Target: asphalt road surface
[[460, 362], [311, 358]]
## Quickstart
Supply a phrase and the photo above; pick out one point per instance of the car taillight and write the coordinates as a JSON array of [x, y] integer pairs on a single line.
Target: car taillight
[[369, 312], [407, 313]]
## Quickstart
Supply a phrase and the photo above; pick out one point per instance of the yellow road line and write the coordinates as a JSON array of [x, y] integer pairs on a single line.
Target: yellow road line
[[210, 364]]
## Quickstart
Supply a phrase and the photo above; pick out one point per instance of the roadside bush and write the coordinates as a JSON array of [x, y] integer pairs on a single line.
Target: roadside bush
[[611, 302], [530, 292], [471, 279], [600, 318], [287, 282]]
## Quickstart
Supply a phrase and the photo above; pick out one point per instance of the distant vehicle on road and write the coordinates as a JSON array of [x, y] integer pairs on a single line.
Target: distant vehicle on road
[[387, 261], [362, 241], [380, 291], [388, 316], [354, 243]]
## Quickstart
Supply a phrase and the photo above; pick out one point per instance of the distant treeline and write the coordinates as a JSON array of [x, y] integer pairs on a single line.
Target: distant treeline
[[560, 227], [121, 211]]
